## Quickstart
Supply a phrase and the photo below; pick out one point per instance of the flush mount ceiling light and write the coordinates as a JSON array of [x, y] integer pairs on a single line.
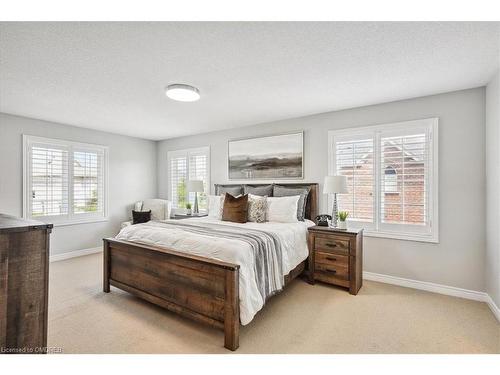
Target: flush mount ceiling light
[[182, 93]]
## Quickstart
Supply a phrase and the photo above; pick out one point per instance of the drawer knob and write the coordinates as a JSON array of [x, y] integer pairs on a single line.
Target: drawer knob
[[331, 244], [331, 271], [331, 258]]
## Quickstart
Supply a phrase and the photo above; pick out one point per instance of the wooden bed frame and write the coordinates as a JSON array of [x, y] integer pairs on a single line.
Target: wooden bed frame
[[199, 288]]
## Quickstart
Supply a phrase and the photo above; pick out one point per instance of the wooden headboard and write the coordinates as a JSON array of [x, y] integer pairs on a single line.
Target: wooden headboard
[[312, 198]]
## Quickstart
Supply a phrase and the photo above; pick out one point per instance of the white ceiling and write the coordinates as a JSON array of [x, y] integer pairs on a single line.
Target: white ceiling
[[111, 76]]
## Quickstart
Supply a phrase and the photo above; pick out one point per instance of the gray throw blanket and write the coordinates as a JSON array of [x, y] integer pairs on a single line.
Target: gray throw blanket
[[266, 249]]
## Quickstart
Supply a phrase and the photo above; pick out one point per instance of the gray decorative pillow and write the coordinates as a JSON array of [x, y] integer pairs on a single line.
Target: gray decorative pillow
[[257, 208], [259, 190], [282, 191], [234, 190]]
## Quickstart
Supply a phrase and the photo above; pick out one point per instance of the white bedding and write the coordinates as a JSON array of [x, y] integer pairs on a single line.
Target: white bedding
[[293, 238]]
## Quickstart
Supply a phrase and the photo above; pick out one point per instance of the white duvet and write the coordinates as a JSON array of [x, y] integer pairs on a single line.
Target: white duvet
[[293, 238]]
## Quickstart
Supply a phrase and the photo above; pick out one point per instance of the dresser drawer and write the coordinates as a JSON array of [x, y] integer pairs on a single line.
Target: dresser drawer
[[337, 271], [329, 244], [331, 259], [330, 278]]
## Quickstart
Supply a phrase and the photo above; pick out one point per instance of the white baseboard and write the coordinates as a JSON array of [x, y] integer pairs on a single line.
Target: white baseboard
[[435, 288], [74, 254], [493, 307]]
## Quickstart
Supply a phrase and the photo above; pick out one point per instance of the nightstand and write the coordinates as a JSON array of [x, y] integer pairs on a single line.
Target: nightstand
[[184, 216], [336, 257]]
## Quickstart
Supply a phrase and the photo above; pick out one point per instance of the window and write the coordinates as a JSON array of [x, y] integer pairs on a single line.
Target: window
[[391, 176], [184, 165], [64, 182], [390, 181]]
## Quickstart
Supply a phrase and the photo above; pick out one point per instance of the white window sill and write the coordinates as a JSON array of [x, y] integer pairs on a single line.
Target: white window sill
[[64, 223], [401, 236]]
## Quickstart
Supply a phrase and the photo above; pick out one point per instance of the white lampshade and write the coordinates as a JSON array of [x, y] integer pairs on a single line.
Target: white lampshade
[[335, 184], [195, 186]]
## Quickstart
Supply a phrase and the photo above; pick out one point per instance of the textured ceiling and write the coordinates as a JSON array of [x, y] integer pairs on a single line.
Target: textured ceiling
[[111, 76]]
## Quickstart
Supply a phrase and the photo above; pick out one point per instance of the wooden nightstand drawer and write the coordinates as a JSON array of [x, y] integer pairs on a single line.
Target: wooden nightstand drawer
[[331, 244], [333, 259], [337, 271], [327, 277]]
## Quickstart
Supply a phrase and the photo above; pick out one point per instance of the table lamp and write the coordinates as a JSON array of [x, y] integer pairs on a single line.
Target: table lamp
[[195, 186], [335, 185]]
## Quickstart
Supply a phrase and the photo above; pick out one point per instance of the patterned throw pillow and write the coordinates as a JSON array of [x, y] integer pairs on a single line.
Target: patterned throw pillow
[[257, 208]]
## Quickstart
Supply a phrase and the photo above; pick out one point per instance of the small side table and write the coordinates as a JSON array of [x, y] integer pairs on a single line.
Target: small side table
[[336, 257]]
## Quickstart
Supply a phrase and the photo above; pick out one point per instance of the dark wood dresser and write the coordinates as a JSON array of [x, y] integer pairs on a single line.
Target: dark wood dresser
[[24, 280], [336, 257]]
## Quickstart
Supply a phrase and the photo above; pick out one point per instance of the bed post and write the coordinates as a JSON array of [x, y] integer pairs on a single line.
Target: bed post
[[106, 267], [232, 310]]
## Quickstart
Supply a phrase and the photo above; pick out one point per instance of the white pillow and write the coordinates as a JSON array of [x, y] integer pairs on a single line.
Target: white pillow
[[282, 209], [215, 206]]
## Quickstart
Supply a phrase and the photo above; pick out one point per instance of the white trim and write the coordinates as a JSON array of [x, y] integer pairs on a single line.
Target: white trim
[[425, 285], [74, 254], [88, 220], [376, 228], [493, 307], [399, 236], [435, 288], [70, 218]]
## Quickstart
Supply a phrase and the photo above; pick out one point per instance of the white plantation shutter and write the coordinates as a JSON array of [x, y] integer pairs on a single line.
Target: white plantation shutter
[[178, 178], [392, 178], [88, 182], [63, 181], [354, 159], [48, 181], [184, 165], [403, 181]]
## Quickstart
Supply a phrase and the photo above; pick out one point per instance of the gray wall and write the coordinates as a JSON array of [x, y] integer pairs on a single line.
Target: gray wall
[[493, 188], [132, 176], [458, 260]]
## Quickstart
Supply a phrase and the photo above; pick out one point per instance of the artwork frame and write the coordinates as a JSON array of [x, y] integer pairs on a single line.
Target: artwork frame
[[268, 157]]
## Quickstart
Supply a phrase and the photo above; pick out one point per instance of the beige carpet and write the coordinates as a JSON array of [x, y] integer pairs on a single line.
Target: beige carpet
[[303, 319]]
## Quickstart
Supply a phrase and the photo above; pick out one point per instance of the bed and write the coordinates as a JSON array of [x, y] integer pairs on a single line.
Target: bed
[[201, 268]]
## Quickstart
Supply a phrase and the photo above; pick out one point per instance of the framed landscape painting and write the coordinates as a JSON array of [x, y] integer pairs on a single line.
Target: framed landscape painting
[[272, 157]]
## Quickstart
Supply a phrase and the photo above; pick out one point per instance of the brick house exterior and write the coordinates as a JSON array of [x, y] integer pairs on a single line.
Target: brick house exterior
[[403, 195]]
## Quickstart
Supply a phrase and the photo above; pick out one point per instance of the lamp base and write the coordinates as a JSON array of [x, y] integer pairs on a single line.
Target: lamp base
[[335, 214], [196, 211]]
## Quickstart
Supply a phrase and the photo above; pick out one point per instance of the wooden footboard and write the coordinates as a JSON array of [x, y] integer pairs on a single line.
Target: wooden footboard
[[200, 288]]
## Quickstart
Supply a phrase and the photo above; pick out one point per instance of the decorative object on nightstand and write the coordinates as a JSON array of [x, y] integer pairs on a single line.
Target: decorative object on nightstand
[[336, 257], [342, 223], [322, 220], [335, 185], [188, 209], [195, 186]]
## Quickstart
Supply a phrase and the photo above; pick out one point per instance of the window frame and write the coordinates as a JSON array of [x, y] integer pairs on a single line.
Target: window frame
[[410, 232], [186, 153], [70, 218]]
